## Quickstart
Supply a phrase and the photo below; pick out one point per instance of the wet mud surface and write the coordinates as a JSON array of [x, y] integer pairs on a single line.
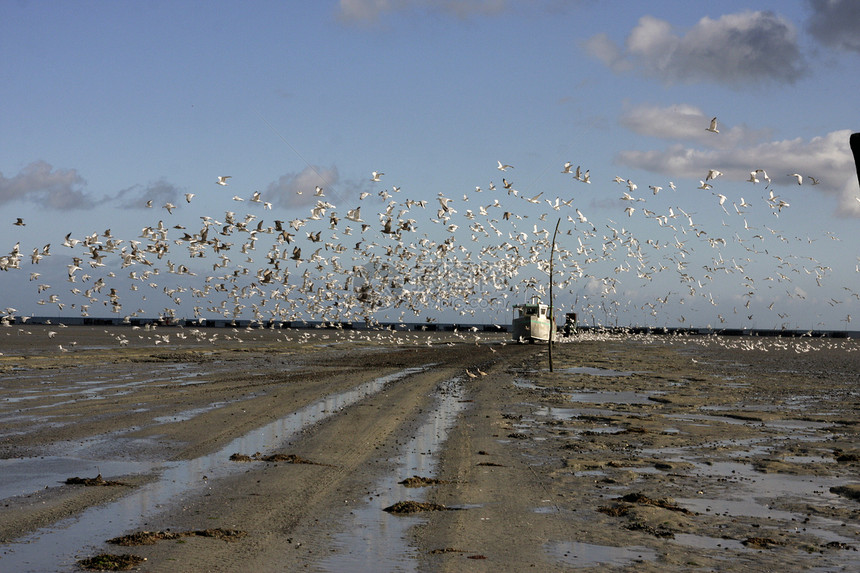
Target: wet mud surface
[[664, 454], [634, 453]]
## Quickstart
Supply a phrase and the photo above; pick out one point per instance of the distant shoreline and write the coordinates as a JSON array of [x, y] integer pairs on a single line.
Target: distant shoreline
[[412, 326]]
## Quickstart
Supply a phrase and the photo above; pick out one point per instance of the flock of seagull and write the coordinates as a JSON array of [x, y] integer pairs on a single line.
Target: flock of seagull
[[410, 258]]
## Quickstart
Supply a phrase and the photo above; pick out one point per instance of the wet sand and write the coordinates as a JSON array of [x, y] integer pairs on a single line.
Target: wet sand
[[639, 453]]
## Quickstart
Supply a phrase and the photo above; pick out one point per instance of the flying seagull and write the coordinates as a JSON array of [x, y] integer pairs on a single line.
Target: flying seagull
[[713, 127], [222, 179], [502, 167]]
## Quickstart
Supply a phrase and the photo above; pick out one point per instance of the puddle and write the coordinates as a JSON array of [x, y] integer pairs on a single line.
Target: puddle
[[705, 542], [24, 477], [576, 554], [572, 413], [610, 397], [57, 547], [189, 414], [523, 383], [592, 371], [374, 536]]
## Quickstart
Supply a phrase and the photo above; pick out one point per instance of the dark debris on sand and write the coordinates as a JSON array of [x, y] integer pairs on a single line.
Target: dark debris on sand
[[98, 480], [664, 503], [407, 507], [761, 542], [151, 537], [109, 562], [258, 457], [420, 481]]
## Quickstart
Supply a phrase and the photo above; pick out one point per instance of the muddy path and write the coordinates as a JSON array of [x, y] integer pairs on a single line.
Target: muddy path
[[182, 406]]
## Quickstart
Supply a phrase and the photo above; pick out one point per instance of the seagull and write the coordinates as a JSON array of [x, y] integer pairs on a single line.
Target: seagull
[[656, 189], [703, 185], [713, 127], [376, 175], [222, 179], [712, 174], [354, 215], [504, 167], [763, 174], [813, 180], [188, 197], [797, 176], [566, 167], [753, 178], [20, 222]]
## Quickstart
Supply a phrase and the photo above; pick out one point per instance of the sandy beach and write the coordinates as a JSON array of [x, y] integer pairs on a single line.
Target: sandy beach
[[280, 450]]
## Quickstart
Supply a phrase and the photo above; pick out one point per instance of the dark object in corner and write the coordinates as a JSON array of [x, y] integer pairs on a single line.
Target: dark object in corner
[[855, 148]]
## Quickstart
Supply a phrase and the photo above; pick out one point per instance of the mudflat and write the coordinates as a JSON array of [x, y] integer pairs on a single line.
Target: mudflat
[[278, 450]]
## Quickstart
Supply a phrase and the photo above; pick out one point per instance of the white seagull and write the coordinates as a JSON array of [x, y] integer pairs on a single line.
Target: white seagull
[[712, 174], [222, 179], [713, 127], [502, 167]]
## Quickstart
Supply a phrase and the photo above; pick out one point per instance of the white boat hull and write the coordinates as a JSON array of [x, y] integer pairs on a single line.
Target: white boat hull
[[531, 329]]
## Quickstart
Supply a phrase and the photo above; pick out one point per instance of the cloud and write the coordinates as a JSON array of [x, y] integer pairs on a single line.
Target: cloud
[[298, 189], [159, 193], [370, 11], [835, 23], [686, 122], [52, 188], [735, 50], [827, 158]]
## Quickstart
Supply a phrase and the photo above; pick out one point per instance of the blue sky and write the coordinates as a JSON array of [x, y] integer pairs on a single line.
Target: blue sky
[[106, 105]]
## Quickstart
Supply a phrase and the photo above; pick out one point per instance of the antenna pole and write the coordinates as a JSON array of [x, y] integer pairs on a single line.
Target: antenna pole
[[551, 307]]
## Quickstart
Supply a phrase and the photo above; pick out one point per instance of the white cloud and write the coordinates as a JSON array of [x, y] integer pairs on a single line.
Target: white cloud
[[52, 188], [159, 193], [736, 49], [369, 11], [688, 123], [298, 189], [836, 23], [827, 158]]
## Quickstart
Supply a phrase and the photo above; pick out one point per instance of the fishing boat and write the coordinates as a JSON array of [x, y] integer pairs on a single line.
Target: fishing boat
[[533, 321]]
